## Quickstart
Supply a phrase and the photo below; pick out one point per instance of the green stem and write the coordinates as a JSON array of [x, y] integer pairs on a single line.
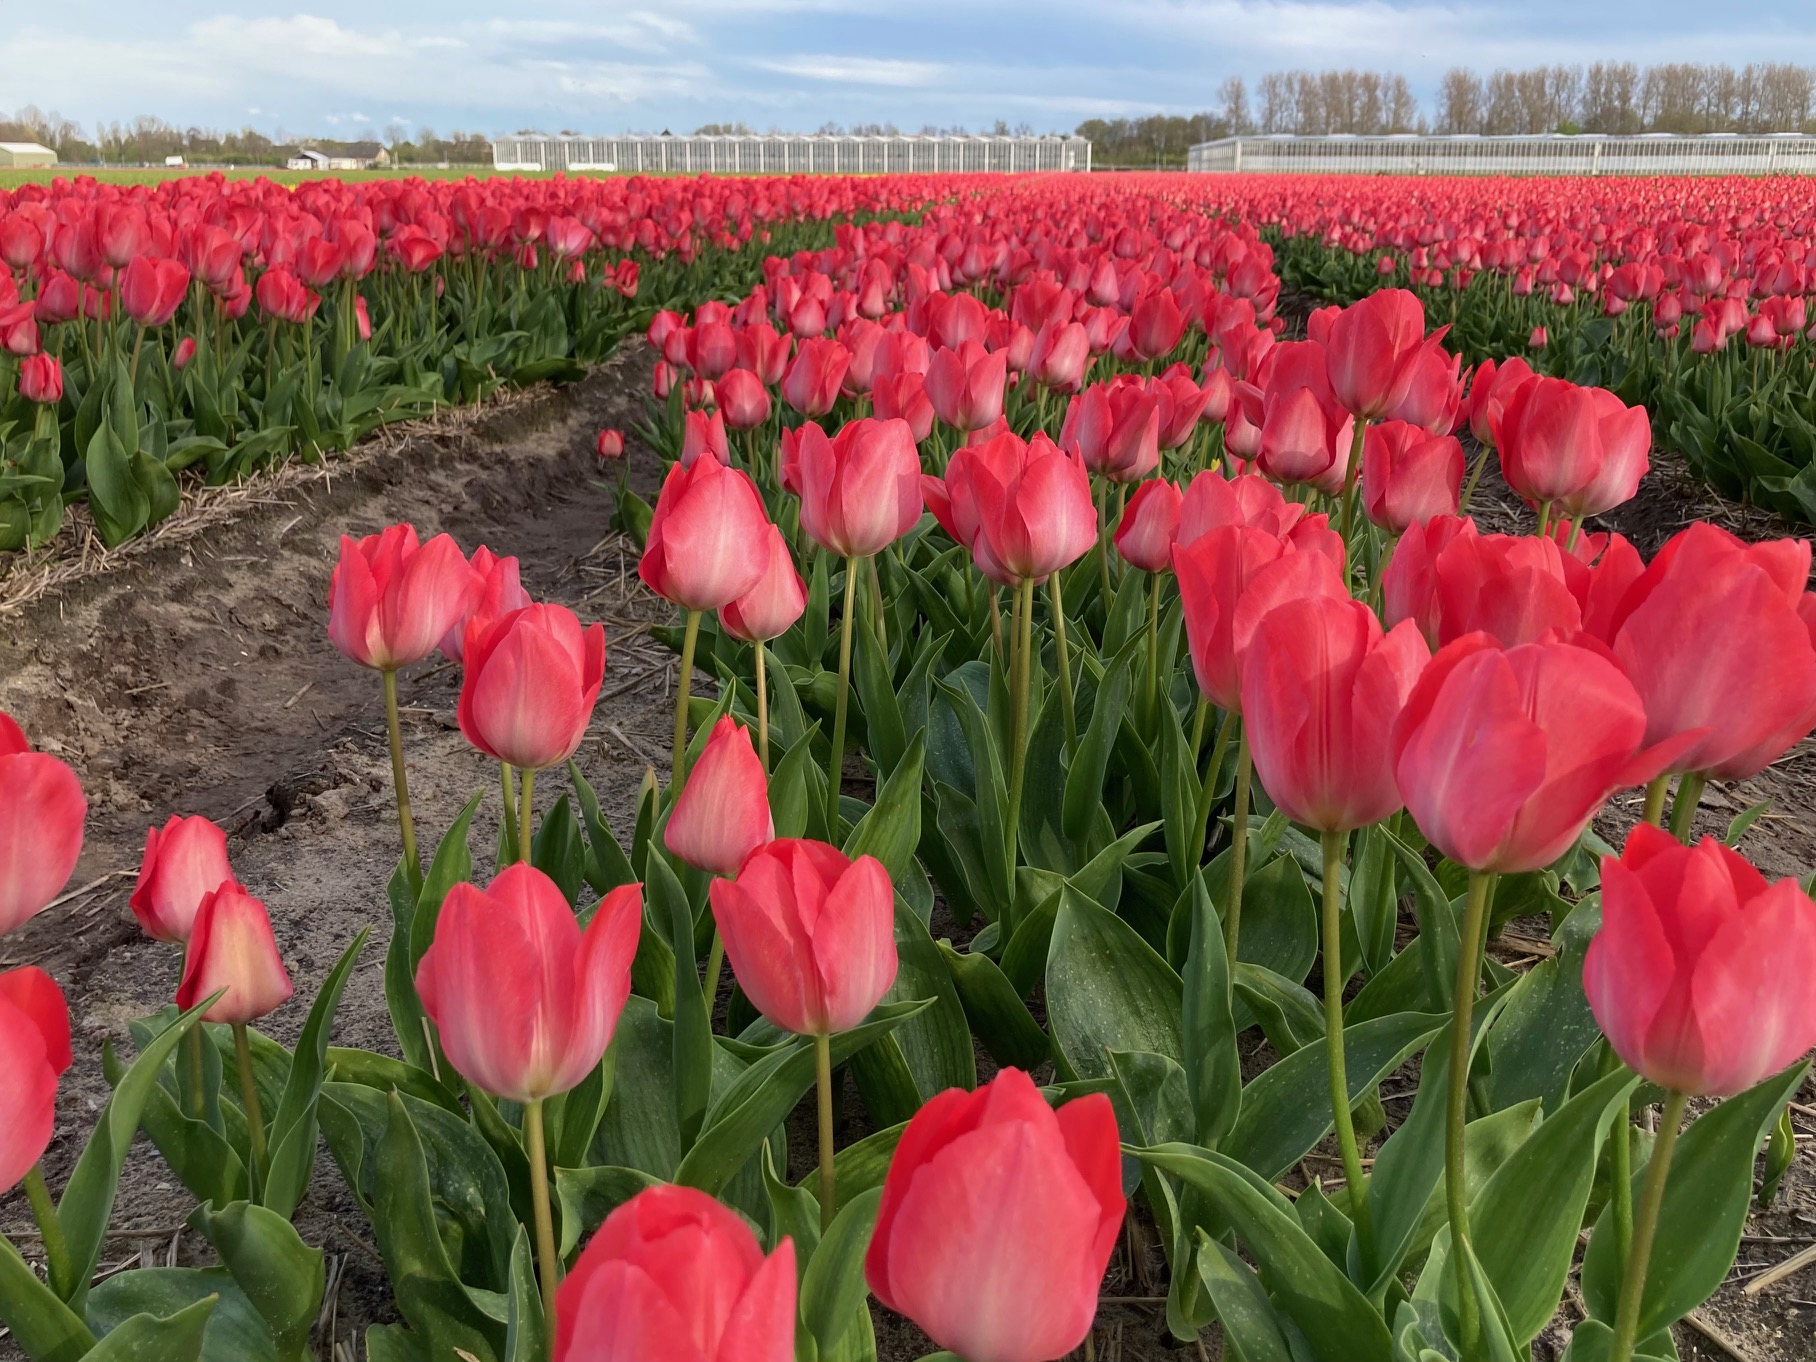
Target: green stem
[[876, 606], [1024, 615], [822, 1057], [762, 710], [507, 777], [526, 811], [1645, 1225], [1620, 1177], [1335, 844], [1239, 842], [249, 1100], [1683, 808], [1153, 696], [835, 761], [1057, 602], [1475, 476], [1544, 519], [1576, 533], [715, 963], [678, 760], [1200, 716], [56, 1244], [192, 1046], [545, 1222], [1349, 478], [1103, 550], [1456, 1187], [1655, 800], [1207, 789], [400, 782]]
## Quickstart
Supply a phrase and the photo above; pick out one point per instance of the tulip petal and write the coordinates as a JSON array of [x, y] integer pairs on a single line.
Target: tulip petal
[[28, 1095], [1754, 990]]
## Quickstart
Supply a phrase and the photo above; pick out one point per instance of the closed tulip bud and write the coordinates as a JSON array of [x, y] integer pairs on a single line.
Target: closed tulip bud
[[185, 861], [531, 679], [1248, 499], [151, 290], [19, 329], [497, 591], [392, 600], [1489, 391], [663, 379], [704, 436], [743, 400], [1434, 398], [1539, 339], [185, 351], [1409, 475], [811, 384], [1626, 439], [1149, 525], [997, 1220], [1716, 637], [723, 812], [610, 444], [1409, 583], [673, 1274], [810, 934], [1549, 438], [1321, 688], [1033, 506], [1373, 349], [861, 491], [1061, 353], [41, 379], [42, 809], [903, 396], [966, 385], [1703, 976], [34, 1053], [524, 1001], [703, 538], [1503, 756], [231, 947], [1156, 324], [771, 607]]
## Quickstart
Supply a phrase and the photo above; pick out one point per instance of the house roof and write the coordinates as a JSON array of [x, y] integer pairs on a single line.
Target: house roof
[[17, 147]]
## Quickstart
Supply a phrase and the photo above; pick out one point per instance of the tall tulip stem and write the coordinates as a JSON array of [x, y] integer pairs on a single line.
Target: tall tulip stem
[[1153, 698], [1655, 800], [400, 782], [1057, 600], [1018, 709], [545, 1222], [1645, 1226], [56, 1244], [1456, 1190], [822, 1058], [1620, 1179], [1334, 845], [1475, 476], [526, 810], [1349, 477], [835, 761], [249, 1099], [508, 779], [715, 965], [192, 1047], [678, 761], [1683, 808], [762, 709], [1239, 844]]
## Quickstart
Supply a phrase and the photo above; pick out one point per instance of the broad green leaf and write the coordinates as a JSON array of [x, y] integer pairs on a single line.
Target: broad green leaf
[[293, 1132], [892, 829], [1545, 1025], [1000, 1019], [1248, 1317], [1279, 920], [1107, 989], [859, 1167], [607, 867], [1438, 931], [693, 1061], [833, 1288], [281, 1276], [235, 1332], [525, 1338], [146, 1338], [588, 1195], [42, 1324], [1213, 1066]]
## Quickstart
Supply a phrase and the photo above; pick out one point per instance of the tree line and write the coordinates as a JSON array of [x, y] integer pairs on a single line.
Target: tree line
[[151, 141]]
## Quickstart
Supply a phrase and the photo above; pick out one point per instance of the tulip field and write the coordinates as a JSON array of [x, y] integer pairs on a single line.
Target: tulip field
[[987, 769]]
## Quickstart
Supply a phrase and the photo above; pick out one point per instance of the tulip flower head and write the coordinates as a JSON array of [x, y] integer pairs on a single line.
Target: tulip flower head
[[34, 1053], [723, 812], [703, 539], [1373, 351], [231, 947], [771, 607], [42, 809], [861, 491], [392, 599], [497, 591], [1149, 525], [531, 680], [185, 861]]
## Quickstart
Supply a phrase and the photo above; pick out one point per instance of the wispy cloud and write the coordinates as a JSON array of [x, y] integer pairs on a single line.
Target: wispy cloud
[[845, 70]]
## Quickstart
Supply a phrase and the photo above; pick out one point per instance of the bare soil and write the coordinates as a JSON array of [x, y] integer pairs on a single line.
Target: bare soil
[[194, 675]]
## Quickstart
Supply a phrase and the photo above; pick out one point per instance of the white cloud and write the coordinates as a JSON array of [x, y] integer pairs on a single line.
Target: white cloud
[[845, 70]]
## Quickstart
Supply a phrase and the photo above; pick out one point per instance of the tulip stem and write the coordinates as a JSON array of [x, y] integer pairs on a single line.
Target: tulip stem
[[1544, 520], [715, 964], [1620, 1178], [545, 1222], [1335, 845], [56, 1244], [1576, 532], [526, 814], [875, 574], [1349, 477], [1239, 843], [835, 761], [1200, 716], [509, 780], [1655, 800], [762, 710], [1018, 709], [822, 1057], [1645, 1225], [192, 1046], [1153, 697], [678, 761], [1475, 476], [249, 1099], [400, 781], [1683, 808], [1057, 600], [1103, 550], [1456, 1188]]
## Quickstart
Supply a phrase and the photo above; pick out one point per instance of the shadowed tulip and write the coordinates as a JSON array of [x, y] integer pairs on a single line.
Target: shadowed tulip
[[185, 861], [997, 1220], [1409, 475], [1512, 587], [1248, 499], [704, 434], [497, 591], [1149, 525], [41, 379], [530, 682], [231, 947], [860, 491], [723, 812], [1409, 583], [811, 384], [1061, 353], [34, 1053], [1372, 350], [392, 600], [1626, 439], [903, 396], [1489, 391], [770, 608], [1434, 397], [42, 809], [703, 537]]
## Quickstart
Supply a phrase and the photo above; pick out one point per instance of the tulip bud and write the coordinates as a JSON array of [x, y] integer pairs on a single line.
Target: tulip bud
[[1372, 351], [703, 538], [185, 351], [861, 491], [1149, 525], [497, 591], [525, 1002], [810, 934], [704, 435], [34, 1053], [997, 1220], [532, 677], [42, 809], [184, 863], [391, 601], [231, 947], [770, 608], [610, 444], [41, 379], [743, 400], [723, 812]]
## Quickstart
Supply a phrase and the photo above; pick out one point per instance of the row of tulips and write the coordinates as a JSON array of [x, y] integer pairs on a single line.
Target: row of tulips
[[1687, 295], [1210, 747]]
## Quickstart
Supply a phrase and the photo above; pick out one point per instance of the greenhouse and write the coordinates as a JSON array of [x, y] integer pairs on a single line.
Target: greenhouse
[[792, 154], [1542, 154]]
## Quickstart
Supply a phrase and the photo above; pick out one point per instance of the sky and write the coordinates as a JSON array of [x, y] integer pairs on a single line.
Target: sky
[[606, 66]]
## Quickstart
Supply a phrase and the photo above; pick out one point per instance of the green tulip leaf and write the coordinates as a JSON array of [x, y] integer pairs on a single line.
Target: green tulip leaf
[[833, 1288], [1107, 989], [293, 1132]]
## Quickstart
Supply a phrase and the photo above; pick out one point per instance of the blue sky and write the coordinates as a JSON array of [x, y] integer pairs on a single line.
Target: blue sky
[[646, 65]]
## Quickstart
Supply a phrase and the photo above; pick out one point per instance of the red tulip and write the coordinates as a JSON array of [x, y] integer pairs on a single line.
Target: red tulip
[[1626, 438], [764, 351], [524, 1001], [610, 444], [1033, 506], [1150, 524], [185, 861], [1716, 637], [42, 809], [1248, 499], [966, 386], [1503, 757], [231, 947], [861, 491], [1156, 324], [41, 379], [811, 384], [34, 1053], [712, 349], [19, 329], [1434, 396], [770, 608], [282, 296], [1321, 688], [1115, 429], [903, 396], [391, 600], [1539, 338], [1549, 438], [1513, 588], [1305, 431], [1061, 353], [810, 934], [1373, 349], [1409, 475], [1489, 391], [151, 290], [743, 399], [709, 521], [704, 435], [723, 812], [1409, 583], [497, 591], [185, 351], [997, 1220], [531, 679], [1702, 976], [673, 1276]]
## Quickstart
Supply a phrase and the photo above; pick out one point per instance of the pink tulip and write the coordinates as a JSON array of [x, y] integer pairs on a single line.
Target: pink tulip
[[723, 812], [966, 386], [770, 608], [701, 551], [231, 947], [811, 384], [861, 491], [1248, 499], [34, 1053], [1373, 349], [531, 680], [1033, 507], [1149, 525], [497, 591], [1409, 475], [42, 809], [391, 601], [184, 862]]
